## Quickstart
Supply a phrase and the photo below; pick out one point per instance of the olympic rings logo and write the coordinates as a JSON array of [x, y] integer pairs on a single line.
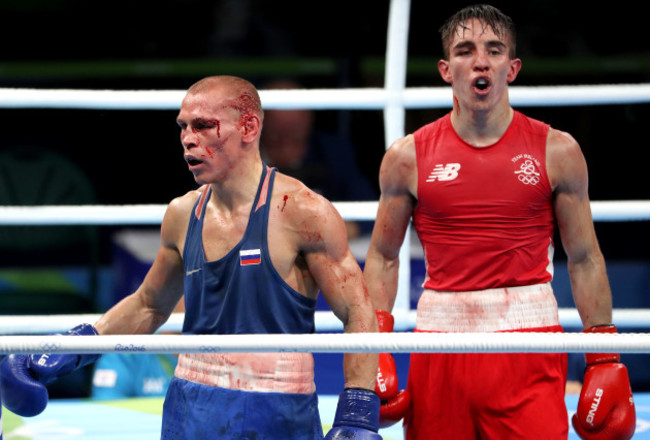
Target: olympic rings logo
[[527, 173], [210, 349], [50, 346]]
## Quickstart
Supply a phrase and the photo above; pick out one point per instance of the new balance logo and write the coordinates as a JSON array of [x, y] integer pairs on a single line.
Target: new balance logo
[[444, 172]]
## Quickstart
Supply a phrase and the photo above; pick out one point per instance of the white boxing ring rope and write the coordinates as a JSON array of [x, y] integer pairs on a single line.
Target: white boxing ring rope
[[397, 342], [152, 214], [325, 99]]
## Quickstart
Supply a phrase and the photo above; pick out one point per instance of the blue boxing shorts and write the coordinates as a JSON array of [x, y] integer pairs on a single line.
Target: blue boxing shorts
[[194, 411]]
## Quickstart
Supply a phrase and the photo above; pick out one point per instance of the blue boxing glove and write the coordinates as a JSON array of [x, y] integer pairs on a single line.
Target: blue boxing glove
[[23, 377], [357, 416]]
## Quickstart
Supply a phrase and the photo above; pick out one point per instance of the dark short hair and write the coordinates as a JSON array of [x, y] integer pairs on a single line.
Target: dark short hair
[[501, 25]]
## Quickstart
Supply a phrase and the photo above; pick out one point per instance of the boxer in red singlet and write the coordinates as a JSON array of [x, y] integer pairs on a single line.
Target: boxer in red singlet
[[484, 186]]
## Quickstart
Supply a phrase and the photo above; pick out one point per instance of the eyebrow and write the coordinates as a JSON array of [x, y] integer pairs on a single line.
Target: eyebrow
[[199, 120], [467, 44], [463, 45], [496, 43]]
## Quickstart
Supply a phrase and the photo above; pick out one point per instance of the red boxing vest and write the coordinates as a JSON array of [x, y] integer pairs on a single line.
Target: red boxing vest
[[484, 215]]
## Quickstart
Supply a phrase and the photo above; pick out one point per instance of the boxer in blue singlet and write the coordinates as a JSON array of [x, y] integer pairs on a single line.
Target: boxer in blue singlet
[[250, 249], [242, 293]]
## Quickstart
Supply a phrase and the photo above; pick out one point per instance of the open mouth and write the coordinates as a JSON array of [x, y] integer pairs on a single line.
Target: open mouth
[[193, 162], [482, 84]]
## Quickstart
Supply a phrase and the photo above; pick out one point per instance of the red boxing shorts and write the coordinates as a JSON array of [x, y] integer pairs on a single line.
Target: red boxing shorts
[[468, 396]]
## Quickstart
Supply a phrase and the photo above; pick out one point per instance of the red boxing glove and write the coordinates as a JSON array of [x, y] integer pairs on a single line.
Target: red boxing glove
[[606, 406], [386, 384], [393, 410], [395, 403]]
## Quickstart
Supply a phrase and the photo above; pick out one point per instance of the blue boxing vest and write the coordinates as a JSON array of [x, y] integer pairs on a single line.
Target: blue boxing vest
[[241, 293]]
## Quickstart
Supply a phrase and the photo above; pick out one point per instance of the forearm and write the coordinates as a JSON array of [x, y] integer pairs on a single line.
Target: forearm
[[606, 404], [360, 370], [130, 316], [381, 275], [591, 290]]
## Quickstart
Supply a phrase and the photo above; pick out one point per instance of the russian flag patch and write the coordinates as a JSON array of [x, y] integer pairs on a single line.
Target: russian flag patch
[[249, 257]]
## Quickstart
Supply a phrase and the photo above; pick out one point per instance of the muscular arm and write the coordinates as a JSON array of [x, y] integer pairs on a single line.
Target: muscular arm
[[398, 183], [150, 305], [586, 264], [336, 272]]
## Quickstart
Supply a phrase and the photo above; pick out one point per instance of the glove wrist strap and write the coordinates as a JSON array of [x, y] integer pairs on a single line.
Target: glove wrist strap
[[601, 358], [385, 321], [49, 367], [84, 330], [359, 408]]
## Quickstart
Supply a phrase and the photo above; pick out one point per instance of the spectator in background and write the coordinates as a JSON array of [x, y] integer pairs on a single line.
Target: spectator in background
[[323, 161], [123, 375]]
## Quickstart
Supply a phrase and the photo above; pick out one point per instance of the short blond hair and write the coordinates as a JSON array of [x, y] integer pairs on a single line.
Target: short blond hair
[[242, 94]]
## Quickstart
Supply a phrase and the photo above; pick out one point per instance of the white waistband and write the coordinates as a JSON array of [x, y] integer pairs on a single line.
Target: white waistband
[[490, 310], [262, 372]]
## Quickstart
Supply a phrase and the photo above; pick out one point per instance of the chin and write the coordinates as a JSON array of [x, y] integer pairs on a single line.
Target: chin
[[207, 179], [199, 179], [483, 103]]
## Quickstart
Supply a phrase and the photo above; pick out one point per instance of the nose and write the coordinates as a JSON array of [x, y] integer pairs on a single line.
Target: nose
[[481, 61], [188, 138]]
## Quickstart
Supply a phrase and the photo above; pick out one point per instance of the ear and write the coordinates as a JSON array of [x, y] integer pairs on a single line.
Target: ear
[[251, 126], [515, 67], [443, 69]]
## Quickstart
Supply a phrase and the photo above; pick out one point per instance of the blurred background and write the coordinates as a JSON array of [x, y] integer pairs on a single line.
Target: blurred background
[[170, 44], [135, 157]]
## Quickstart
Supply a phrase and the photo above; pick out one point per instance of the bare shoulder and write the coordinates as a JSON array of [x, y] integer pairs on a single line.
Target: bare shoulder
[[182, 205], [177, 215], [401, 153], [297, 201], [398, 171], [565, 161], [560, 142], [307, 215]]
